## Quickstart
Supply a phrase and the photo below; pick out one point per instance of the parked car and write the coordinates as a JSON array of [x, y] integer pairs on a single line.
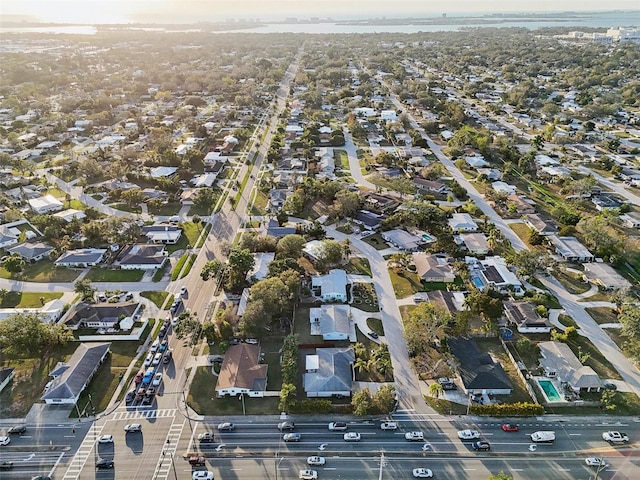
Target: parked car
[[308, 475], [156, 359], [130, 397], [251, 341], [104, 464], [154, 346], [197, 460], [481, 445], [422, 473], [510, 427], [128, 296], [286, 426], [468, 435], [373, 334], [105, 439], [414, 436], [316, 460], [337, 426], [226, 427], [351, 437], [157, 379], [291, 437], [133, 427], [147, 400], [17, 429]]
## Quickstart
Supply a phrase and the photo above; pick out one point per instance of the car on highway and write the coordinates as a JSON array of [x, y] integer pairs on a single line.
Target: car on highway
[[205, 437], [286, 426], [197, 460], [148, 359], [422, 473], [468, 435], [596, 462], [414, 436], [163, 346], [337, 426], [543, 436], [17, 429], [104, 464], [202, 475], [156, 359], [316, 460], [510, 427], [5, 465], [615, 437], [388, 426], [481, 445], [167, 356], [226, 427], [308, 475], [133, 427], [157, 379], [105, 439], [291, 437], [351, 437], [155, 345]]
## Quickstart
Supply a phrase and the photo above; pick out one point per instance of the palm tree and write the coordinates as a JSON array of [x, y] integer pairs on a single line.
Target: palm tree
[[435, 389], [361, 364]]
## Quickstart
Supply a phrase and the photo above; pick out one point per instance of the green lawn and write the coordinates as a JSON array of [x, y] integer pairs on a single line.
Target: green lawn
[[44, 272], [190, 261], [375, 324], [341, 159], [259, 206], [596, 360], [358, 265], [207, 229], [571, 282], [202, 398], [157, 297], [376, 241], [445, 407], [27, 299], [603, 315], [405, 284], [168, 209], [97, 274], [522, 231]]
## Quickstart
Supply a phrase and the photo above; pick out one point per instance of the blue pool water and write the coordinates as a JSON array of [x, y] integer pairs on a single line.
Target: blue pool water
[[428, 238], [549, 390], [477, 281]]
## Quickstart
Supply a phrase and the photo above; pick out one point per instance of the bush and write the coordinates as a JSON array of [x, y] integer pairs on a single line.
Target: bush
[[312, 406], [289, 365], [520, 409]]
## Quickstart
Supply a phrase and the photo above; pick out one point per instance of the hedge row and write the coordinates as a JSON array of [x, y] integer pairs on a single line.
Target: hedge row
[[520, 409]]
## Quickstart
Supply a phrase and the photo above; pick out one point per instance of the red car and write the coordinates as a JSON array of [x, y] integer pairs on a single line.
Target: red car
[[509, 427]]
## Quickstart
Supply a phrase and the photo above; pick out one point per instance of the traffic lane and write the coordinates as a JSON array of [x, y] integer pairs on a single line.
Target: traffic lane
[[345, 467], [30, 464]]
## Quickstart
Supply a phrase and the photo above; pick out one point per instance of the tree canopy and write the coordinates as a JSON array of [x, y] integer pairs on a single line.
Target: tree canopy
[[27, 335]]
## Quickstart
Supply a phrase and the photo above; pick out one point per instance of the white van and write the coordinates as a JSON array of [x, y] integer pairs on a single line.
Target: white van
[[543, 436], [155, 345]]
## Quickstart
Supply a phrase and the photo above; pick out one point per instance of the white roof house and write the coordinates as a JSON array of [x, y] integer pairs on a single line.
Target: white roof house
[[331, 287], [204, 180], [261, 267], [86, 257], [604, 275], [476, 161], [45, 204], [503, 187], [403, 240], [559, 361], [494, 272], [570, 249], [8, 236], [333, 322], [462, 222], [160, 172], [388, 115], [70, 214]]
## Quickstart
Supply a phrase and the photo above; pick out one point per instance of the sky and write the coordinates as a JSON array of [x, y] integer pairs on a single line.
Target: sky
[[188, 11]]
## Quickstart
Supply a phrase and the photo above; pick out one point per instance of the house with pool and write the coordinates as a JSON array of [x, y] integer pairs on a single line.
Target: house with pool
[[493, 272]]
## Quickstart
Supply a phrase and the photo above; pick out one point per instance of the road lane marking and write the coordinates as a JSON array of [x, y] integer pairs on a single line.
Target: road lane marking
[[469, 469], [564, 469], [575, 434]]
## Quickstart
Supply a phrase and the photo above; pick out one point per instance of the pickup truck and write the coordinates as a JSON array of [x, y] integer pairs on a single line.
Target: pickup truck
[[615, 437]]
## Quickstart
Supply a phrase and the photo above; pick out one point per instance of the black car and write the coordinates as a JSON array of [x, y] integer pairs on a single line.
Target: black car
[[103, 464], [17, 429], [481, 445], [373, 334], [6, 465], [130, 397]]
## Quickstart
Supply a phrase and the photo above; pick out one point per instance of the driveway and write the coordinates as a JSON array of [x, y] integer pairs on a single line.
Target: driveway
[[354, 164]]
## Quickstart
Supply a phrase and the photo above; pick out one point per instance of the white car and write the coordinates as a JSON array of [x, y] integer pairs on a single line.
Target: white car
[[308, 475], [422, 473], [468, 434], [183, 291], [5, 440], [596, 462], [388, 426], [337, 426], [351, 437], [615, 437], [156, 359], [315, 460], [105, 439], [202, 475], [157, 379], [133, 427], [414, 436], [148, 359]]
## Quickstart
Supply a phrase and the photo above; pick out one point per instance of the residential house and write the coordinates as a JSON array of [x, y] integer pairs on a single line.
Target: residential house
[[525, 317], [8, 236], [430, 186], [161, 233], [85, 257], [31, 251], [331, 287], [476, 161], [6, 375], [379, 202], [277, 197], [541, 226], [204, 180], [522, 205], [462, 222], [403, 240], [71, 378], [260, 268], [444, 299], [433, 268], [503, 187], [333, 322], [492, 272], [491, 173], [241, 372], [479, 372], [102, 315], [45, 204], [559, 361], [142, 256], [329, 373], [475, 243], [604, 275], [570, 249], [389, 116], [273, 229], [70, 215], [605, 202], [162, 172], [368, 220], [631, 219]]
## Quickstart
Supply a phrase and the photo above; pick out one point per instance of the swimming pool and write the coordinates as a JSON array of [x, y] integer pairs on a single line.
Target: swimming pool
[[549, 390], [477, 281], [428, 238]]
